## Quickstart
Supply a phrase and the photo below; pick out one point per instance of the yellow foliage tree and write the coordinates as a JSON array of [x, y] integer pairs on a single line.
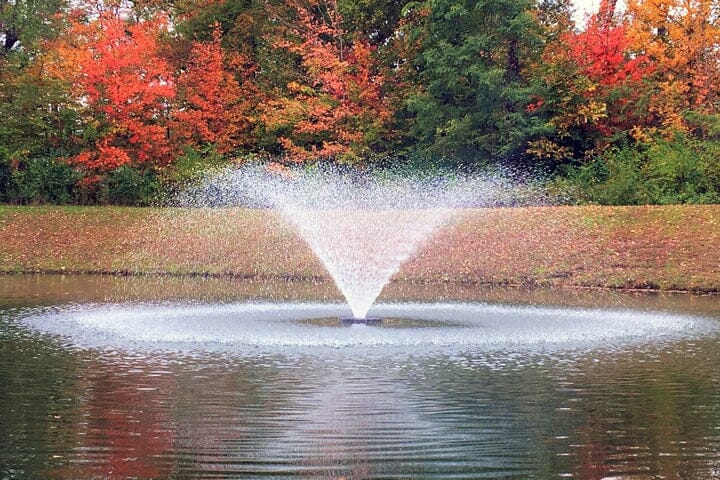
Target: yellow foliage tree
[[681, 37]]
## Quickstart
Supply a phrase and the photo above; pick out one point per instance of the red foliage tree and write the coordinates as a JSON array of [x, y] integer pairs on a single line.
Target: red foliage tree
[[125, 88], [600, 88], [602, 53]]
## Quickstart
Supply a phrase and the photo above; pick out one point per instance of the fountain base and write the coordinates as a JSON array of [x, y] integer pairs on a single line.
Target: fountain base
[[360, 321]]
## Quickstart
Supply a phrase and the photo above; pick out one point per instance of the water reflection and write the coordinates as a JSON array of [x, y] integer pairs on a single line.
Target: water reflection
[[19, 290], [646, 411], [126, 426]]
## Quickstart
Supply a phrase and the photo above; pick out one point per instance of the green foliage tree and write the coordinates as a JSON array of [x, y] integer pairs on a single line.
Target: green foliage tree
[[375, 20], [36, 118], [23, 23], [471, 104], [36, 123]]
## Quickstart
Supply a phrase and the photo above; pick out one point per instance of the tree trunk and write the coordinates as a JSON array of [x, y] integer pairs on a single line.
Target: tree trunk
[[513, 66], [11, 39]]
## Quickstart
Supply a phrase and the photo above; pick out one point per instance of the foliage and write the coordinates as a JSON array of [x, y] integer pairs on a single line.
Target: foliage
[[130, 186], [125, 88], [102, 97], [335, 107], [190, 165], [471, 74], [212, 105], [682, 38], [680, 170], [34, 116], [24, 23], [43, 180], [374, 20], [597, 93]]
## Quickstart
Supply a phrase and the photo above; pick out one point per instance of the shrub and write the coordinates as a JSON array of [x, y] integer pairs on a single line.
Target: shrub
[[130, 186], [6, 182], [667, 171], [192, 164], [43, 180]]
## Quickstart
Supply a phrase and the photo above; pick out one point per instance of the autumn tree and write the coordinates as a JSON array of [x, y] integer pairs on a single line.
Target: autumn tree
[[36, 114], [124, 89], [212, 106], [597, 89], [682, 37], [334, 108], [28, 100]]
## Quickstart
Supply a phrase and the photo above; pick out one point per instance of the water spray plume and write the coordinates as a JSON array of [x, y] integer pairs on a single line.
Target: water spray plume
[[361, 225]]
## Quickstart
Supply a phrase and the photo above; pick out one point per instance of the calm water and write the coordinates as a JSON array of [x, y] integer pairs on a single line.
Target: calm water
[[92, 388]]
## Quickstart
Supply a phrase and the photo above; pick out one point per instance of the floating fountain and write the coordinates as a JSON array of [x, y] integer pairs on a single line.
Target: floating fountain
[[362, 226], [243, 387]]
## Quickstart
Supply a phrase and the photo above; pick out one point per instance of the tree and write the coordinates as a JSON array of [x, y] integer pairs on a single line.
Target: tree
[[335, 107], [36, 114], [683, 38], [26, 22], [36, 123], [375, 20], [597, 89], [471, 70], [32, 114], [212, 106], [123, 87]]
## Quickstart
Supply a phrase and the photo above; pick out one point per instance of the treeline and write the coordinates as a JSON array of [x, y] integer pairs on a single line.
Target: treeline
[[112, 101]]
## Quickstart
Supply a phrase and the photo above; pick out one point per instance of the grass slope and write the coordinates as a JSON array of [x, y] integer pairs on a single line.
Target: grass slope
[[653, 247]]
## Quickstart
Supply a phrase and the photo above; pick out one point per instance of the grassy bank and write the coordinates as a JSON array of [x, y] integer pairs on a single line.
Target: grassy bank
[[666, 248]]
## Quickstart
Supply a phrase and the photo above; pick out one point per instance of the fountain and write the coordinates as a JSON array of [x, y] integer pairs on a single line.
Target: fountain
[[362, 226]]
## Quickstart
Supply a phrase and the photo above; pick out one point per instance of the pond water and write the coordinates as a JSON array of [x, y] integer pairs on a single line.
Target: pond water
[[116, 378]]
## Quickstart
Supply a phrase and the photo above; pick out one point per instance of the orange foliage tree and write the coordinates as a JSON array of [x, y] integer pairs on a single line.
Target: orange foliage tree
[[213, 106], [124, 88], [682, 37], [335, 108]]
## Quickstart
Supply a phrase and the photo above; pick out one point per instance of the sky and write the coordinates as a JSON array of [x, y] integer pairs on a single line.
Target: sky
[[584, 7]]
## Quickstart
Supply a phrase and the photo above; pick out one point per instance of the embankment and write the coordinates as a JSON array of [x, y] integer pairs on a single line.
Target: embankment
[[653, 247]]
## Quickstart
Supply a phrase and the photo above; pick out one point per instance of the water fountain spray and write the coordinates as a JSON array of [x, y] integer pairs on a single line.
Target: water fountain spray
[[361, 225]]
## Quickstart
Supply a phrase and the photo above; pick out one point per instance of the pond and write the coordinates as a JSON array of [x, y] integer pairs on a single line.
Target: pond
[[160, 377]]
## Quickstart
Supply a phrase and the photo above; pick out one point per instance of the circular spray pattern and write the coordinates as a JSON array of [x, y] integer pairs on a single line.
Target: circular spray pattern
[[312, 327]]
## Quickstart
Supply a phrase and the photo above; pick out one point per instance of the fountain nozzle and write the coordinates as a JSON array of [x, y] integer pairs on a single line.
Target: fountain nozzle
[[360, 321]]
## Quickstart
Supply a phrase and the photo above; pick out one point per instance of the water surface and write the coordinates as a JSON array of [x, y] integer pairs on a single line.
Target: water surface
[[83, 400]]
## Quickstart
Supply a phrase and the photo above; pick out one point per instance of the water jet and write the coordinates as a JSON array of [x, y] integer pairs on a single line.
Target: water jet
[[361, 225]]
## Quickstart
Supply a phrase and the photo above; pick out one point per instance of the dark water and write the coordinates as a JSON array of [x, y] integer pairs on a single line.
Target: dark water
[[644, 409]]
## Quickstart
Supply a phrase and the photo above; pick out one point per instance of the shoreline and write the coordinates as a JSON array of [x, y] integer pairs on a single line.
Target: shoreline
[[326, 280], [643, 249]]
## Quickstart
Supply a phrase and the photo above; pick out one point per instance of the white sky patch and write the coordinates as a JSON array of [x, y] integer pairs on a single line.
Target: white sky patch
[[585, 8]]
